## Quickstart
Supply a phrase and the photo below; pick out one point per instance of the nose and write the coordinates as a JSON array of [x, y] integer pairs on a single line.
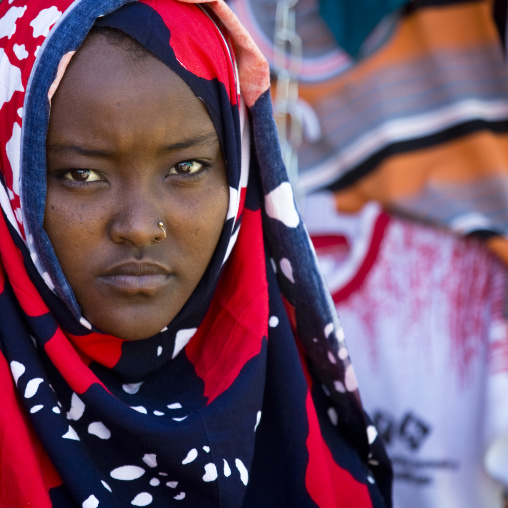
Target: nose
[[138, 220]]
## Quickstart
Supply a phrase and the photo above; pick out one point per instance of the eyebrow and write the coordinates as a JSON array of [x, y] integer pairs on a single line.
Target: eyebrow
[[201, 139]]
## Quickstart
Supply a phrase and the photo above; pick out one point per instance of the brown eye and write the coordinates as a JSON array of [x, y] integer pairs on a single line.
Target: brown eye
[[82, 175], [185, 168]]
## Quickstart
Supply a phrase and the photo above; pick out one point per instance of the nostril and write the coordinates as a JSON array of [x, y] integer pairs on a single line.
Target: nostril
[[137, 229]]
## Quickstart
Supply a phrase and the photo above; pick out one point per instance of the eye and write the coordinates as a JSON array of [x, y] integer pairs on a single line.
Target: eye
[[82, 175], [186, 168]]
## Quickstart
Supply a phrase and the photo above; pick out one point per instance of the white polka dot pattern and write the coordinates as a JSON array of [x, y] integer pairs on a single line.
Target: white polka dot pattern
[[42, 23], [279, 204]]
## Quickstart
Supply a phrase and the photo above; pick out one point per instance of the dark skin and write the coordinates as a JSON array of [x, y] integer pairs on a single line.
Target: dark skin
[[129, 145]]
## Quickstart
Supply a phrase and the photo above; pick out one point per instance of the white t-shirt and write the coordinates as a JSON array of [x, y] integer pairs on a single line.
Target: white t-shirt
[[425, 322]]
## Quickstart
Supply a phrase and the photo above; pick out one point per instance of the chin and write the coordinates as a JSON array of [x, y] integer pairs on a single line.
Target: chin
[[135, 337], [131, 332], [131, 322]]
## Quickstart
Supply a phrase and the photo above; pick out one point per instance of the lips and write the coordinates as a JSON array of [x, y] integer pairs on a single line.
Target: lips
[[132, 278]]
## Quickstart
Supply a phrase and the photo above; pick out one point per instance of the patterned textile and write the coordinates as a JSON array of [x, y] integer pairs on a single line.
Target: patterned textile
[[419, 123], [248, 397]]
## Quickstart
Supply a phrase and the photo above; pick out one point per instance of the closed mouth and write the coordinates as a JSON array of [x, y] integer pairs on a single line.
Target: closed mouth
[[132, 278]]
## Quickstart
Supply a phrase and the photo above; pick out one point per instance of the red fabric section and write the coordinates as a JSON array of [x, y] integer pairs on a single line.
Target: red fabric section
[[12, 260], [324, 241], [23, 35], [327, 483], [104, 349], [203, 49], [290, 311], [69, 363], [364, 269], [26, 473], [2, 276], [243, 195], [237, 320]]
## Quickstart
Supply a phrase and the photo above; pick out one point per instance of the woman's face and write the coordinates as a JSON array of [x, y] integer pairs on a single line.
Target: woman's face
[[129, 145]]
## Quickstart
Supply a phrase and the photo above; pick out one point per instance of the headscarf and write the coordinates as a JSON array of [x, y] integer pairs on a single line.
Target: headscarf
[[248, 397]]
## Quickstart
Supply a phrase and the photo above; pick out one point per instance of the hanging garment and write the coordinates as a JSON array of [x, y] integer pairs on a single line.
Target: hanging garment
[[427, 313], [351, 23], [418, 123]]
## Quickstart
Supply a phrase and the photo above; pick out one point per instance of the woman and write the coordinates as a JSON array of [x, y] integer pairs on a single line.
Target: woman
[[165, 335]]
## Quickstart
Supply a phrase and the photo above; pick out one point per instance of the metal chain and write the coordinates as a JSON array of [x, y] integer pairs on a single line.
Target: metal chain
[[287, 66]]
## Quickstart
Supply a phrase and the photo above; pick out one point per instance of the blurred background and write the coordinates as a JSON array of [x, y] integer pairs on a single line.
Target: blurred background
[[393, 120]]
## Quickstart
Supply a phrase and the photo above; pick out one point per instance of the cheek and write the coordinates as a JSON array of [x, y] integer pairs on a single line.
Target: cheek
[[71, 230], [199, 221], [213, 217], [67, 222], [67, 212]]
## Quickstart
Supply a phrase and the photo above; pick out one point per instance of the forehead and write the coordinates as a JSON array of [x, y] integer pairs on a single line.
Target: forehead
[[113, 85], [106, 59], [120, 39]]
